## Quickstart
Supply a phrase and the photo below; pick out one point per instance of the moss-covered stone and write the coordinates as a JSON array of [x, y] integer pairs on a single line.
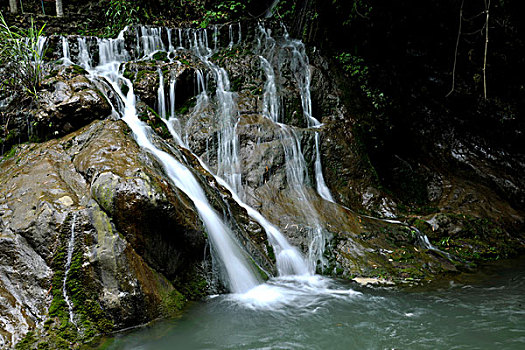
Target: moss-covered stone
[[27, 343]]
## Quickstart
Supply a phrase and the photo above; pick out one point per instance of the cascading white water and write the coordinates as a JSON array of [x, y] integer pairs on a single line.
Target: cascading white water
[[239, 273], [271, 105], [161, 96], [270, 51], [296, 175], [200, 105], [66, 56], [84, 58], [228, 163], [289, 259], [296, 169], [70, 249], [149, 40], [301, 69]]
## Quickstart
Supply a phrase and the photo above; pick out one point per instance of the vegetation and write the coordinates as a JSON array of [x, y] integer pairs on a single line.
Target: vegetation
[[21, 57], [222, 11], [121, 13], [355, 66]]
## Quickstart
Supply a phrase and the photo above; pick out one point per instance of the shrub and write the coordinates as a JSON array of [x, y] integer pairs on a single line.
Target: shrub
[[20, 57]]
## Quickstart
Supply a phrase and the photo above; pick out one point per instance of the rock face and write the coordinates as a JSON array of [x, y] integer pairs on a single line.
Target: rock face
[[67, 101], [95, 238], [134, 237]]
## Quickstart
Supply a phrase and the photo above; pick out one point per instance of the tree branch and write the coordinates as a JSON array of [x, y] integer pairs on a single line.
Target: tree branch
[[487, 6], [456, 51]]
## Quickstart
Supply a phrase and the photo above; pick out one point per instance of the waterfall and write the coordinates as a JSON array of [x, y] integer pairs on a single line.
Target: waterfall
[[70, 249], [161, 96], [226, 118], [238, 272], [270, 51], [240, 276], [66, 56], [84, 58], [228, 163], [288, 258], [301, 69], [271, 104], [296, 170]]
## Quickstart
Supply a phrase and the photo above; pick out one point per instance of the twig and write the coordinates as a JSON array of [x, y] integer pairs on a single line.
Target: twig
[[487, 6], [473, 17], [456, 51]]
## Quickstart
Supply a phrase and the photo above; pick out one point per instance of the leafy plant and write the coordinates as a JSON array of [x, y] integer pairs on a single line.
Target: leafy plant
[[121, 13], [355, 66], [21, 54], [223, 11], [285, 10]]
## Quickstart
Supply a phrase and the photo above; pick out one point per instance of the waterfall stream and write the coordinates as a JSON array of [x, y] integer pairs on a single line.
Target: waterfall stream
[[70, 249], [239, 274], [238, 271], [296, 169]]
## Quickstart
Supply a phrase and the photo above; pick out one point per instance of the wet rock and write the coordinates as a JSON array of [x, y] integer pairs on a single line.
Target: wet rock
[[132, 197], [132, 232], [69, 101]]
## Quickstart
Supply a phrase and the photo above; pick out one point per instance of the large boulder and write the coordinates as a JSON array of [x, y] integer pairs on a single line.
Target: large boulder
[[91, 237]]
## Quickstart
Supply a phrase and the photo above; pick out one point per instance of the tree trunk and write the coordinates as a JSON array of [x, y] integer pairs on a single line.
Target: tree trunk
[[13, 6], [60, 9]]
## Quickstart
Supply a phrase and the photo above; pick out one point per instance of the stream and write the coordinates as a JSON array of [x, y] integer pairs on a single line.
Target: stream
[[480, 311]]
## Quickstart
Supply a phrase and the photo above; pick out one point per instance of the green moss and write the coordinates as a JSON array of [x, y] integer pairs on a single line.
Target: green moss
[[44, 346], [11, 153], [475, 239], [90, 317], [124, 88], [129, 75], [402, 254], [78, 70], [53, 73], [27, 342], [236, 84], [271, 253], [261, 272], [151, 117], [184, 61], [173, 302], [161, 56], [185, 108], [141, 74], [191, 284]]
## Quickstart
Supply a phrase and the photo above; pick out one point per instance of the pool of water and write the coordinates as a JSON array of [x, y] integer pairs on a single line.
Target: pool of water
[[482, 311]]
